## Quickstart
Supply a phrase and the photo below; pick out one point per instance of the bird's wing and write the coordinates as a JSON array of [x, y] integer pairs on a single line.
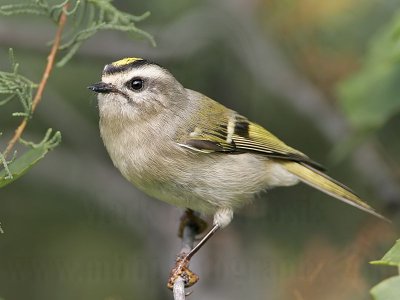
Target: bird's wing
[[234, 133]]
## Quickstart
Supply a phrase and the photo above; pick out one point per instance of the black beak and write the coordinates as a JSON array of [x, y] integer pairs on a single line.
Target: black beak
[[101, 87]]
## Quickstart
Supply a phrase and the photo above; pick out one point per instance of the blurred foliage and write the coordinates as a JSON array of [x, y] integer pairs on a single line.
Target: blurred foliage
[[327, 40], [389, 289], [371, 96]]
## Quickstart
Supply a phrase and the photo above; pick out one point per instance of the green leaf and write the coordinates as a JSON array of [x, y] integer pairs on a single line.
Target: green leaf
[[21, 165], [388, 289], [391, 258]]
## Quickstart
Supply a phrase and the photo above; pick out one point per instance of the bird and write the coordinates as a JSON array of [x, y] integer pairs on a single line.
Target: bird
[[182, 147]]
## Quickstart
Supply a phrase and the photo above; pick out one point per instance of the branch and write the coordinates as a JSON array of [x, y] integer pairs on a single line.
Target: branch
[[43, 82], [192, 225], [179, 289]]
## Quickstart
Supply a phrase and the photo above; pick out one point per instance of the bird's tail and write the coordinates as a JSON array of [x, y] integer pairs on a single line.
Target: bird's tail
[[328, 185]]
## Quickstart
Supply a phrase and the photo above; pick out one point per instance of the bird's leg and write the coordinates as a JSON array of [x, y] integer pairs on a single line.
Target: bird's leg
[[191, 225], [222, 218], [202, 242]]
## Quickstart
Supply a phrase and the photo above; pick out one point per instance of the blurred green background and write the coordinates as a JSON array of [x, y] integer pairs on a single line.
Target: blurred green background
[[322, 75]]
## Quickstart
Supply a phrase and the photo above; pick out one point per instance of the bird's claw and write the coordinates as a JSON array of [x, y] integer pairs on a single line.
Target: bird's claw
[[182, 270]]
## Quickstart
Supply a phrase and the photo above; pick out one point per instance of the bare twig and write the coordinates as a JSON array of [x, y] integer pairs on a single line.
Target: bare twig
[[43, 82], [181, 276], [179, 289]]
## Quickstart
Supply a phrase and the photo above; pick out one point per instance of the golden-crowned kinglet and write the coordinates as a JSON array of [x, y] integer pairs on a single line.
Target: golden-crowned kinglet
[[184, 148]]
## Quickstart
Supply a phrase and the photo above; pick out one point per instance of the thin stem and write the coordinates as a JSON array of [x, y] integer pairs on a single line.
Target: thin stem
[[39, 93]]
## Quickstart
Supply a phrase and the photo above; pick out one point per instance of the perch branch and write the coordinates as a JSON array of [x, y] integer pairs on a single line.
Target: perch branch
[[39, 93], [179, 289], [181, 276]]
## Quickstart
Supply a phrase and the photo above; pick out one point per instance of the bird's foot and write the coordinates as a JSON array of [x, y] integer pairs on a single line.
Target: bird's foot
[[182, 270]]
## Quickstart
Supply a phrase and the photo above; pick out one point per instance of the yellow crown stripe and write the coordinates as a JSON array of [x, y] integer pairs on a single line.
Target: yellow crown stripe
[[125, 61]]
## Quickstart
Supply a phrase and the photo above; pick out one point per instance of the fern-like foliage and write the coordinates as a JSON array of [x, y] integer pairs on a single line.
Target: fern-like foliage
[[87, 18], [4, 163], [13, 85]]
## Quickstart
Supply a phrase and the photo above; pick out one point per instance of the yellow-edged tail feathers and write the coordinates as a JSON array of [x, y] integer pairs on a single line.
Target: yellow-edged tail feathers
[[328, 185]]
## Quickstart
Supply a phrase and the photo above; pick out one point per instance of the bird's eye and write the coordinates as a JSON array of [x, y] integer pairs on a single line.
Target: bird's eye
[[136, 84]]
